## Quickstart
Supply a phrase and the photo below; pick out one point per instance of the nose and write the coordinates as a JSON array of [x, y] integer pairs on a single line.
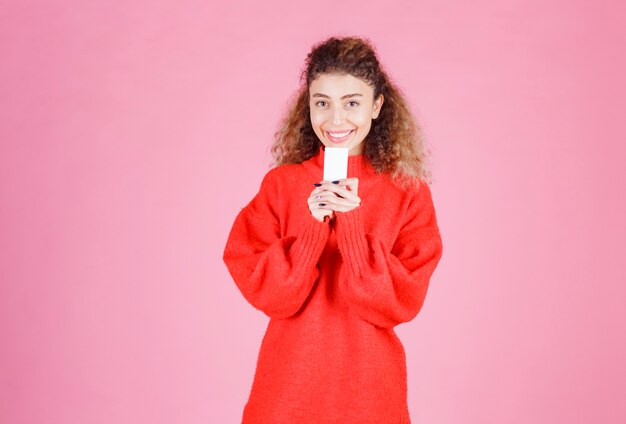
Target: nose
[[338, 116]]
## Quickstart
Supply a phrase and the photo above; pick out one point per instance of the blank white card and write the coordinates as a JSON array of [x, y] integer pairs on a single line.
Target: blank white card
[[335, 163]]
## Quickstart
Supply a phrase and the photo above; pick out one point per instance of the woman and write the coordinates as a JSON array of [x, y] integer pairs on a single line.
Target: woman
[[337, 265]]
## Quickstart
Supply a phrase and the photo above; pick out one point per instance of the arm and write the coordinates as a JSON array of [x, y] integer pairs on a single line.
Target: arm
[[274, 274], [388, 287]]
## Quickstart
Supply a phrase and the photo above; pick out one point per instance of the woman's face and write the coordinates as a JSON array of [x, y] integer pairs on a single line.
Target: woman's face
[[342, 108]]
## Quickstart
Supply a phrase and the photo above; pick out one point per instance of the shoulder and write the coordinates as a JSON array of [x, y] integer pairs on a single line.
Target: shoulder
[[421, 191], [418, 205], [412, 188], [281, 174], [422, 206], [409, 188], [274, 192], [264, 204], [270, 178]]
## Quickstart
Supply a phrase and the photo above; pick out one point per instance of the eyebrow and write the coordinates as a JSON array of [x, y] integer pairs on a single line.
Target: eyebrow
[[342, 97]]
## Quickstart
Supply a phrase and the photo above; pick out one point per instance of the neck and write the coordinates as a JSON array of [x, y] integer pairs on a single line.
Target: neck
[[356, 151]]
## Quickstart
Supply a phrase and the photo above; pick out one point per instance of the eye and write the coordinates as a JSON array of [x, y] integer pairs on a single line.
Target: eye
[[353, 102], [318, 103]]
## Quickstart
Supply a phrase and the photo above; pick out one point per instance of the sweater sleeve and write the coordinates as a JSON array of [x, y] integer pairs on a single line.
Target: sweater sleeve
[[275, 274], [385, 286]]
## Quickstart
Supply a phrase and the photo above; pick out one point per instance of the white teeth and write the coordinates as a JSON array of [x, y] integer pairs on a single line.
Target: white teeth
[[339, 135]]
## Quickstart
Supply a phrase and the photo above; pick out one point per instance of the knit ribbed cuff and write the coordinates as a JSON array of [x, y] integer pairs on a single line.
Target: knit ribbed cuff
[[351, 240], [310, 244]]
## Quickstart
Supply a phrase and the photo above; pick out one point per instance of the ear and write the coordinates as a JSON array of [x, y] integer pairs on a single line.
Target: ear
[[378, 103]]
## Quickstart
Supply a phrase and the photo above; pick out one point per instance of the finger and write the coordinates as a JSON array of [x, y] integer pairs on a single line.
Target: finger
[[318, 186], [327, 196], [346, 194], [321, 193], [349, 183], [341, 208], [352, 182], [336, 200], [317, 195], [315, 200], [316, 190]]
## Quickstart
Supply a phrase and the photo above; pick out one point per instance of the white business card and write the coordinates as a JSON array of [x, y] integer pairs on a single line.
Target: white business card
[[335, 163]]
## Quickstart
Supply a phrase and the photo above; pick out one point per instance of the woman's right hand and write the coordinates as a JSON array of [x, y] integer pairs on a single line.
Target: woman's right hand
[[316, 203]]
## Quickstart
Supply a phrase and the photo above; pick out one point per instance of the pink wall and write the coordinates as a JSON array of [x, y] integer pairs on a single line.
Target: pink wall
[[131, 135]]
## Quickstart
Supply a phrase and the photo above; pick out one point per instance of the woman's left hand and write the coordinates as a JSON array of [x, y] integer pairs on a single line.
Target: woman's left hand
[[340, 197]]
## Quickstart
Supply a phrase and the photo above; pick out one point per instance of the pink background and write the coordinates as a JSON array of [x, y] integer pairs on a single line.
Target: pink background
[[133, 132]]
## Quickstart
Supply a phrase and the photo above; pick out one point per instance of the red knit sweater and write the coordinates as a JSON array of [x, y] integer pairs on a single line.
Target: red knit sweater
[[333, 292]]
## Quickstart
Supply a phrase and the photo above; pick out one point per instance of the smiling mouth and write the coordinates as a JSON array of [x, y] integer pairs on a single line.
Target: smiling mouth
[[339, 137]]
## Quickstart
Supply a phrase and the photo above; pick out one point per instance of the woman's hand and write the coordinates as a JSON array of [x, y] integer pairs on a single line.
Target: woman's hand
[[329, 197], [317, 201]]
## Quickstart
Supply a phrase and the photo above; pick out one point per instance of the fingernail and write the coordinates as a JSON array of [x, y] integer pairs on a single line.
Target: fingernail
[[316, 184], [336, 182]]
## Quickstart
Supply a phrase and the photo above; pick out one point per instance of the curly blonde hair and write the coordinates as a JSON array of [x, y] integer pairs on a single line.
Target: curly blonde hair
[[394, 143]]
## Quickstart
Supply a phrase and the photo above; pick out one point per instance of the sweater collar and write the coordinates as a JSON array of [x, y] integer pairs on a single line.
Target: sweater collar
[[358, 165]]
